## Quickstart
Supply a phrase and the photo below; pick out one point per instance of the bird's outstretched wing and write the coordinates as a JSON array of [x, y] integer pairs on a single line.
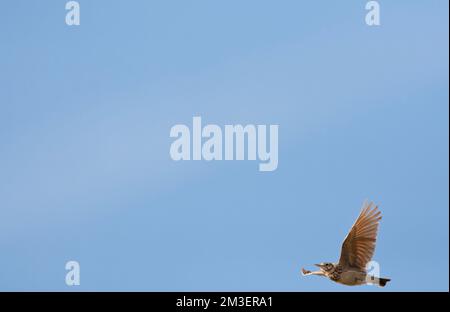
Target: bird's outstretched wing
[[359, 245]]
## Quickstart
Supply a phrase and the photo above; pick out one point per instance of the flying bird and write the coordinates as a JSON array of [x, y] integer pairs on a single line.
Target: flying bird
[[357, 250]]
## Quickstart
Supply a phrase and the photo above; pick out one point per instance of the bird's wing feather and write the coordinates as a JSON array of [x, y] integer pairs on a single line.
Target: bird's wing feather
[[359, 245]]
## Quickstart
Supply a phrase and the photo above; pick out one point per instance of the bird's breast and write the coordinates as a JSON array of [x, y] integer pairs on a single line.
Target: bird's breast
[[352, 278]]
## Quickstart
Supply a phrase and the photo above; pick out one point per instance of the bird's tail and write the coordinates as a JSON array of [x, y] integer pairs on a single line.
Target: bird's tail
[[380, 281], [383, 281]]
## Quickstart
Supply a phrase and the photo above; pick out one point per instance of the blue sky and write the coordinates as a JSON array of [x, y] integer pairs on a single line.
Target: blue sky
[[85, 115]]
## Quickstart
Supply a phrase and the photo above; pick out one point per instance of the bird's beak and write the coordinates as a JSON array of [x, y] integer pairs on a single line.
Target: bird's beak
[[318, 265]]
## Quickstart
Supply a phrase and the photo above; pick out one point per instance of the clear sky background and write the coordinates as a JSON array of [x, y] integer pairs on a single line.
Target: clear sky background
[[85, 115]]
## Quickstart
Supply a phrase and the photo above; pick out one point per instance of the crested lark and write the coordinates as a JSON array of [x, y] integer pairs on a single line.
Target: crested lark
[[356, 252]]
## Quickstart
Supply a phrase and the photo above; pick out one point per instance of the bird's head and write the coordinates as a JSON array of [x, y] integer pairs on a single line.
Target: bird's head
[[325, 266]]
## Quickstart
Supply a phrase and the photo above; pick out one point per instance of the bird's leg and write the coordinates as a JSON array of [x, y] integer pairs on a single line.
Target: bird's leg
[[307, 272]]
